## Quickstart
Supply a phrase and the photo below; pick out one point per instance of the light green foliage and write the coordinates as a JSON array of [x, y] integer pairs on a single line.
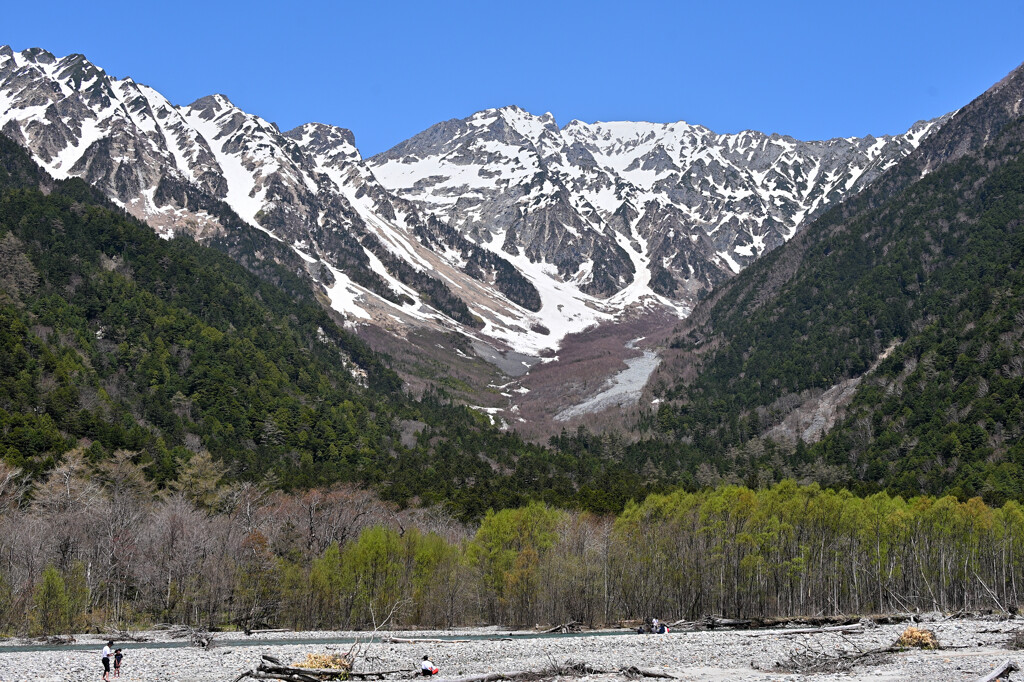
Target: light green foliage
[[52, 607], [199, 478], [507, 549]]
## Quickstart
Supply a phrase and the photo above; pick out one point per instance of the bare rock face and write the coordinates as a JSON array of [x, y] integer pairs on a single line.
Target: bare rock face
[[181, 167], [609, 204]]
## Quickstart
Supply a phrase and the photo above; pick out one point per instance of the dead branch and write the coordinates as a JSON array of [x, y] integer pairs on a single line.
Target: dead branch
[[808, 661], [1007, 667], [991, 593], [358, 648]]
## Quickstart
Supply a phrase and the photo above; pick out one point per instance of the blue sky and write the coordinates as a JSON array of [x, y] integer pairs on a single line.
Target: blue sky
[[387, 70]]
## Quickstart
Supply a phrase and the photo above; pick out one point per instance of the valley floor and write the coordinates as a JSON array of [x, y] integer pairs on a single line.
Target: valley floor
[[971, 650]]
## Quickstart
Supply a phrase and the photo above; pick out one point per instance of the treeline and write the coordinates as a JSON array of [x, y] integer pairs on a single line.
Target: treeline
[[91, 547]]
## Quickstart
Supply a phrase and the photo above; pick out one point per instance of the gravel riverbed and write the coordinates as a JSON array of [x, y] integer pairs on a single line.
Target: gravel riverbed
[[971, 649]]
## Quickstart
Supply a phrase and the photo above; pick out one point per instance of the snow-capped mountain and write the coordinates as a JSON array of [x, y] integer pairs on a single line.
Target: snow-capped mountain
[[671, 207], [375, 256], [502, 226]]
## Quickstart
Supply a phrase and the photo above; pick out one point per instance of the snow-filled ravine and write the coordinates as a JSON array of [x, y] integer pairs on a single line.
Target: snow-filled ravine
[[622, 389]]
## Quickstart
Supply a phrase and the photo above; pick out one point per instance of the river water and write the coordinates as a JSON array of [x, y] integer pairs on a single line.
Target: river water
[[257, 641]]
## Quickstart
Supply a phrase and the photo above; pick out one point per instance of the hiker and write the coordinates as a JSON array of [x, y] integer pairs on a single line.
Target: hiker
[[427, 668], [106, 661], [117, 662]]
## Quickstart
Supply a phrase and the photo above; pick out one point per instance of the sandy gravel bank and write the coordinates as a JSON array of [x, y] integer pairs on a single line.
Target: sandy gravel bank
[[713, 656]]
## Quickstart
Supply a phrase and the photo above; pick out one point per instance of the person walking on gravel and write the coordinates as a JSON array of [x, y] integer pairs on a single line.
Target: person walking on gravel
[[106, 661]]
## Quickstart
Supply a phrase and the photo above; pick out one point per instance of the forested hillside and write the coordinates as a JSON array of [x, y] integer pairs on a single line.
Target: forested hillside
[[926, 264], [112, 339]]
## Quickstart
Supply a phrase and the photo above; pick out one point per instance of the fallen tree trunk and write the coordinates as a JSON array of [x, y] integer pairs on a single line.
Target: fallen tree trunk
[[379, 674], [286, 677], [489, 677], [271, 668], [712, 622], [564, 627], [1007, 667]]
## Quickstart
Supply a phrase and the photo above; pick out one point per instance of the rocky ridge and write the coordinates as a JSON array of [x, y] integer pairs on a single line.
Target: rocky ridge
[[501, 226], [374, 256], [670, 209]]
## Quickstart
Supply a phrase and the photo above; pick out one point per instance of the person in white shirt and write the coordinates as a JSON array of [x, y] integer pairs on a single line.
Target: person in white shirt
[[106, 661], [427, 668]]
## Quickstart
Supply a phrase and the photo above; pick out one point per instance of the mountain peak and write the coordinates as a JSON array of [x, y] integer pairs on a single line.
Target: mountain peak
[[323, 137], [215, 103], [38, 55]]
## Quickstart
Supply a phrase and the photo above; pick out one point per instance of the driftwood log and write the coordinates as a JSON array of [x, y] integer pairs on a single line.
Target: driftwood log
[[1006, 668], [408, 640], [571, 626], [489, 677], [563, 671], [380, 674], [271, 668], [57, 639], [118, 635], [715, 622], [808, 631], [199, 638]]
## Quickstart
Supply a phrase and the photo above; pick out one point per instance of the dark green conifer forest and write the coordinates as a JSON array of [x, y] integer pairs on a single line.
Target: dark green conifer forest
[[112, 339]]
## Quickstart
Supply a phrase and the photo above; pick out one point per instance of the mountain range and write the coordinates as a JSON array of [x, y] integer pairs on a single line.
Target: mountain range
[[502, 227]]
